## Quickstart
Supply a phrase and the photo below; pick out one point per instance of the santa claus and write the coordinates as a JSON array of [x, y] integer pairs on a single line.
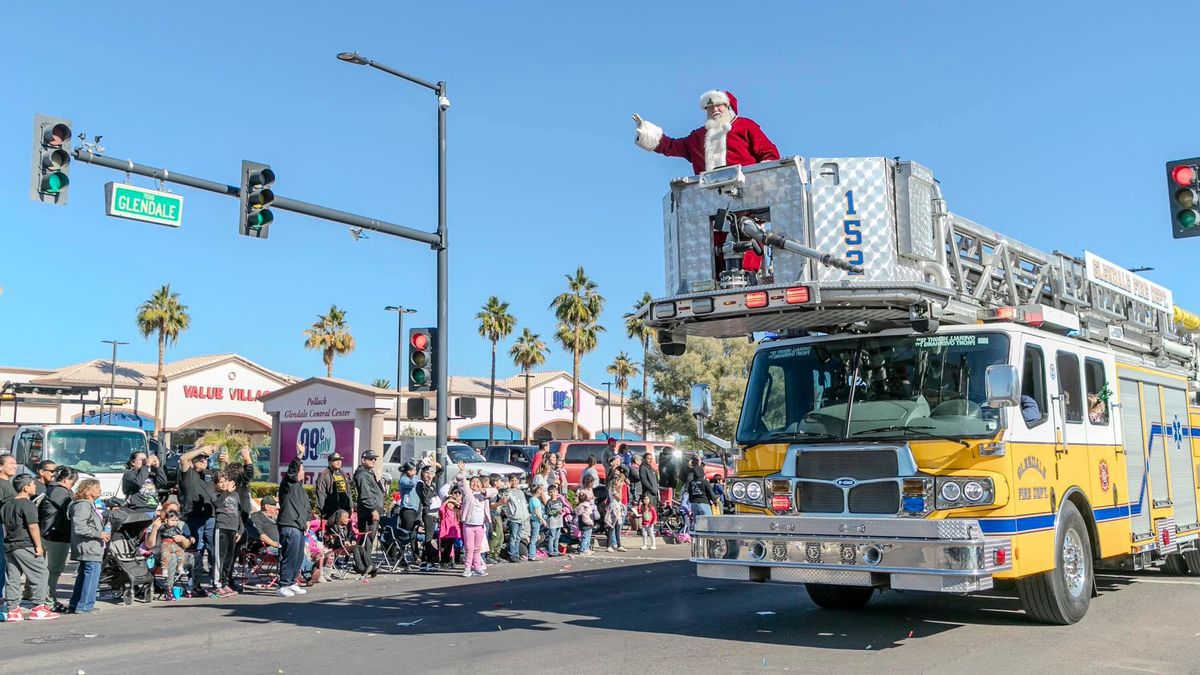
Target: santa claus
[[724, 139]]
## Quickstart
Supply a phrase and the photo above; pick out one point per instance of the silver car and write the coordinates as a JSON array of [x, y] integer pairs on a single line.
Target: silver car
[[474, 463]]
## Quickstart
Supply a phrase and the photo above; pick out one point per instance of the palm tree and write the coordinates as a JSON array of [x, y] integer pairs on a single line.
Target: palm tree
[[495, 324], [230, 444], [165, 315], [578, 313], [331, 334], [637, 329], [622, 369], [527, 353], [380, 383]]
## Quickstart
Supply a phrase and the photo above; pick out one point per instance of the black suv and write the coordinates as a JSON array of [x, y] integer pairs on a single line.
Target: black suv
[[514, 455]]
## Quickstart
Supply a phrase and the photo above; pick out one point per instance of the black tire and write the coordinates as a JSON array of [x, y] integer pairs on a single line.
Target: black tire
[[1192, 559], [1176, 565], [839, 598], [1062, 595]]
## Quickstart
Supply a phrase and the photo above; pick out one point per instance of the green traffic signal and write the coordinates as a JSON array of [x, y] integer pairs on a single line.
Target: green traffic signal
[[418, 376], [1187, 218], [54, 183], [51, 160]]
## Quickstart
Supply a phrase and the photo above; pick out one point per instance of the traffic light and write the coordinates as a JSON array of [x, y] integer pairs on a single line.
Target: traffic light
[[421, 376], [255, 197], [417, 408], [51, 159], [1183, 189]]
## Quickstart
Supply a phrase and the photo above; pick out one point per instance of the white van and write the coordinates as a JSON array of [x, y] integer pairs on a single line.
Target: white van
[[95, 450]]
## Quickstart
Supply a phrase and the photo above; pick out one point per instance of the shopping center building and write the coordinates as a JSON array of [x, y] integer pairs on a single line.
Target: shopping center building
[[223, 390]]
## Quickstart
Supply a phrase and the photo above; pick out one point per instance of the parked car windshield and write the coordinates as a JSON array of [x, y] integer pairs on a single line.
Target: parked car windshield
[[873, 388], [93, 450], [463, 453]]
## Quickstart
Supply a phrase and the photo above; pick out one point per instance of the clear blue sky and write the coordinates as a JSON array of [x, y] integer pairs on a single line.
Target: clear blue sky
[[1049, 123]]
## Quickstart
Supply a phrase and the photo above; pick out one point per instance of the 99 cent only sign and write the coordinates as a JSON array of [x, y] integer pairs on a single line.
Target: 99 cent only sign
[[319, 440]]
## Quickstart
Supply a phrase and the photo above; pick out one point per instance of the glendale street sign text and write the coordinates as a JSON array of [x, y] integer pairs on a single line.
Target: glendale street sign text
[[150, 206]]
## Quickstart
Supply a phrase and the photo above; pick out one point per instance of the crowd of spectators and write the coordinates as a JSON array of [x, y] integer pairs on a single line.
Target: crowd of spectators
[[211, 538]]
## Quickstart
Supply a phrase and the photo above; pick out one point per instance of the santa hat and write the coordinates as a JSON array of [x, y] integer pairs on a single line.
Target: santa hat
[[716, 96]]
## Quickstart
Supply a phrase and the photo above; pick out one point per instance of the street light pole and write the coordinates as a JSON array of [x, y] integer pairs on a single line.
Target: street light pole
[[443, 259], [112, 382], [607, 408], [400, 312]]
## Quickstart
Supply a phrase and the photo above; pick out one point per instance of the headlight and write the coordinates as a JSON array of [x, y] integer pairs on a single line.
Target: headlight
[[754, 491], [738, 491], [973, 490], [966, 491], [951, 491]]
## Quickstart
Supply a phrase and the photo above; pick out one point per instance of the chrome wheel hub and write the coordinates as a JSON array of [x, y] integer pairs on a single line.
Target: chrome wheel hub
[[1074, 566]]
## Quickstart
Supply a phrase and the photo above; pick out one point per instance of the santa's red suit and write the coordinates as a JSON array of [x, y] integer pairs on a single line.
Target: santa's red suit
[[738, 141], [741, 141]]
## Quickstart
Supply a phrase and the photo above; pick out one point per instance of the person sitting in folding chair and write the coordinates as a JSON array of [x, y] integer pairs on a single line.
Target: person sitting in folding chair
[[340, 540]]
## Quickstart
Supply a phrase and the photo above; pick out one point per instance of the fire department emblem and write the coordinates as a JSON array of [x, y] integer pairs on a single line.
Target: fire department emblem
[[1104, 476]]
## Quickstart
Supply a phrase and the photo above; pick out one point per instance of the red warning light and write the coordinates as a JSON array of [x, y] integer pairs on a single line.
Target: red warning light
[[419, 341], [1184, 175]]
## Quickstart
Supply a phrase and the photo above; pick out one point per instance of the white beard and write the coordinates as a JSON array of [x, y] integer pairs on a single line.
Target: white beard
[[716, 129]]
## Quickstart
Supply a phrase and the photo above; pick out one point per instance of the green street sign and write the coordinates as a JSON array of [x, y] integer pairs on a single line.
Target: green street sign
[[149, 206]]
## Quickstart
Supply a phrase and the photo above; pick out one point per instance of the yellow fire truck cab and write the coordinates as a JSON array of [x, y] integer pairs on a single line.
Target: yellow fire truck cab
[[932, 406]]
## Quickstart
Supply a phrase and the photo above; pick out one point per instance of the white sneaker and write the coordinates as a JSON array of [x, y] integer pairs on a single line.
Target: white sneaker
[[284, 592], [296, 590], [654, 548], [466, 573], [644, 547], [610, 549]]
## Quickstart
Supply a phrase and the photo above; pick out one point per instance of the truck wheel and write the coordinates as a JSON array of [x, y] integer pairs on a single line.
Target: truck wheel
[[1192, 559], [1176, 565], [1062, 595], [827, 596]]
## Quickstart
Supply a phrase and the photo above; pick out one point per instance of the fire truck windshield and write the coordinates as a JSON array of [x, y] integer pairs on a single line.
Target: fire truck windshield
[[873, 387]]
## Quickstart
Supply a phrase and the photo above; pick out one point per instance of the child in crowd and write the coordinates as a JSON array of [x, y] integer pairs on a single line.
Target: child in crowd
[[615, 514], [340, 535], [537, 518], [475, 516], [23, 552], [88, 538], [646, 516], [169, 533], [228, 510], [315, 551], [585, 510], [555, 506], [449, 529]]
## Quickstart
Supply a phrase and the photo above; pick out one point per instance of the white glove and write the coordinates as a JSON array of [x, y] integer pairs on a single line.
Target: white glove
[[649, 135]]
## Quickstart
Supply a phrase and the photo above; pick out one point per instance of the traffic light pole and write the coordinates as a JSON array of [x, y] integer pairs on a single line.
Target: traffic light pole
[[433, 239], [442, 425]]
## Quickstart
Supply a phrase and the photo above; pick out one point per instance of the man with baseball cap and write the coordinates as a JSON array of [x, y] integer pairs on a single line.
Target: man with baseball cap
[[371, 492], [332, 488]]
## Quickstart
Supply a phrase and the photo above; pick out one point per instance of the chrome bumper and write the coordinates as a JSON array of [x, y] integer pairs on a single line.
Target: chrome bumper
[[951, 556]]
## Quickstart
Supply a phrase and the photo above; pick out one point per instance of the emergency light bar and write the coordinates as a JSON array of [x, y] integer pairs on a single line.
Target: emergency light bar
[[1038, 316], [722, 177]]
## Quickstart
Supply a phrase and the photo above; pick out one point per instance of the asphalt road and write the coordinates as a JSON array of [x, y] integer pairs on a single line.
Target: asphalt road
[[611, 614]]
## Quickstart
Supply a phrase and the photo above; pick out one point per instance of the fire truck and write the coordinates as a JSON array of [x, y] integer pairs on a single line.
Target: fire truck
[[932, 406]]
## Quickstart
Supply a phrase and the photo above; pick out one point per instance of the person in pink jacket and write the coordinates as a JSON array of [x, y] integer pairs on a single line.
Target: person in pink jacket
[[449, 529], [475, 516]]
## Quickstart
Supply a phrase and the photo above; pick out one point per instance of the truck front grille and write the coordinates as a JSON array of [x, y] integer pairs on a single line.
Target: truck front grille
[[875, 498], [819, 498], [859, 464]]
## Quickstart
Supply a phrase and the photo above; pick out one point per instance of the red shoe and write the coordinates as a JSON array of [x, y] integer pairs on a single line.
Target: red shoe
[[42, 613], [13, 615]]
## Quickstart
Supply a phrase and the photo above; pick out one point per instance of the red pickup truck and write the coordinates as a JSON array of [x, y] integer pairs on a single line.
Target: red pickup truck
[[576, 454]]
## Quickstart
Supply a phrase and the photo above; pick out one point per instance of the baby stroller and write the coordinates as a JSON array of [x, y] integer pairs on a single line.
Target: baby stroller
[[672, 520], [397, 544], [570, 535], [124, 568]]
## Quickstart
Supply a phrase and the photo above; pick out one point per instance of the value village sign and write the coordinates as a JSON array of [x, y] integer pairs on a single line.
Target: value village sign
[[223, 393]]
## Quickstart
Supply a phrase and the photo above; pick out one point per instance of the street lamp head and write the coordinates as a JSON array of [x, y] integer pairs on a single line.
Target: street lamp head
[[352, 57], [402, 310]]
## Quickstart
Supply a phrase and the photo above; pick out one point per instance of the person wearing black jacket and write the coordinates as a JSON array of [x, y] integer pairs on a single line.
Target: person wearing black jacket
[[699, 490], [644, 478], [143, 478], [332, 488], [196, 499], [56, 526], [294, 508], [426, 493], [371, 502]]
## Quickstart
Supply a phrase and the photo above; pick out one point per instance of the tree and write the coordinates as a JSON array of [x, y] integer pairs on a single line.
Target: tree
[[527, 353], [622, 369], [331, 334], [578, 313], [495, 324], [380, 383], [637, 329], [229, 444], [165, 315], [410, 430], [724, 365]]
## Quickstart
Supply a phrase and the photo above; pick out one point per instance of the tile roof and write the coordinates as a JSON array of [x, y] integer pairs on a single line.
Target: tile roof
[[140, 373]]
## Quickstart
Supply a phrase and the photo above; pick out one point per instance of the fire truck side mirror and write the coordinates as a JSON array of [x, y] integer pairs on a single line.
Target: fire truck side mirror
[[1002, 386], [701, 401]]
